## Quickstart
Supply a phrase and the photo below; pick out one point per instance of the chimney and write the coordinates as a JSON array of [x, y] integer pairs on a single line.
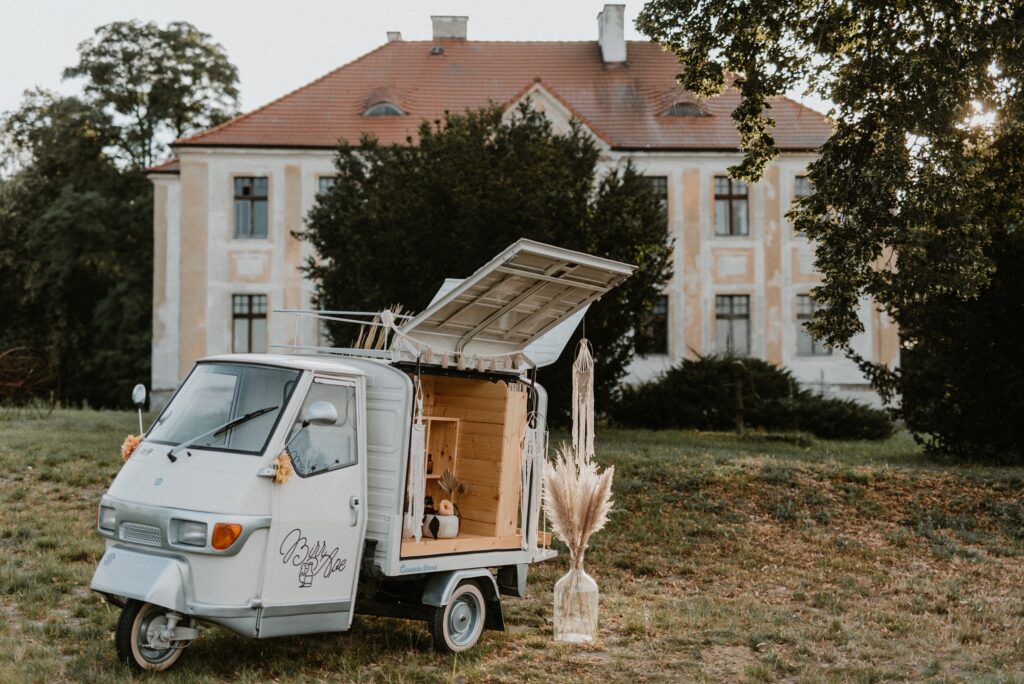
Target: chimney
[[449, 27], [394, 36], [611, 33]]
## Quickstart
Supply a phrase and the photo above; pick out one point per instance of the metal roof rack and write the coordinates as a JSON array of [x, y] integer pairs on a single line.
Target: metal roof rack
[[371, 319]]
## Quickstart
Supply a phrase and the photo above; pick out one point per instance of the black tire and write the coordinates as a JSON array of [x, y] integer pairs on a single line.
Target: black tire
[[457, 626], [130, 638]]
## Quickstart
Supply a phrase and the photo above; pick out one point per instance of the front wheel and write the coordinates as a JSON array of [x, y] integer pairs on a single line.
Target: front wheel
[[138, 641], [457, 626]]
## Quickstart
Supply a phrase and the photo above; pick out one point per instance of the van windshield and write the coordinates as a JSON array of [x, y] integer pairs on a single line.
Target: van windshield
[[216, 393]]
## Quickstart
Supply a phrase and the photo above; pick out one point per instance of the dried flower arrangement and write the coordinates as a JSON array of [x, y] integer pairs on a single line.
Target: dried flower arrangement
[[129, 445], [283, 467], [454, 488], [577, 499]]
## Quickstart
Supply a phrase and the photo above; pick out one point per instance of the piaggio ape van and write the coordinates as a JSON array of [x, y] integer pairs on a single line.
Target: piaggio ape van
[[202, 528]]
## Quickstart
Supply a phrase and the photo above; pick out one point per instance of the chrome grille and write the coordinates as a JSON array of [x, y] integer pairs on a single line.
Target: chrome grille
[[138, 533]]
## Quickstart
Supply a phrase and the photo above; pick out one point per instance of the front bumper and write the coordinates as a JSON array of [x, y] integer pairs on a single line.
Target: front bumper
[[166, 581]]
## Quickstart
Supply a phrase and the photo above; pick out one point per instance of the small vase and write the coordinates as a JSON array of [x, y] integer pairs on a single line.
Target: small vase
[[448, 526], [576, 599]]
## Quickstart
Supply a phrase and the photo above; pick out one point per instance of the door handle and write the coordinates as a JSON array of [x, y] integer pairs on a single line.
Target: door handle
[[353, 503]]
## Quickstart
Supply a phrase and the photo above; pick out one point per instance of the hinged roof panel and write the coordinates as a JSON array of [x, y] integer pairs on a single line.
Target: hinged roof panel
[[513, 300]]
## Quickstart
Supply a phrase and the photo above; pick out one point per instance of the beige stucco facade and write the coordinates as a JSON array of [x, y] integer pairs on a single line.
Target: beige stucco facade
[[199, 264]]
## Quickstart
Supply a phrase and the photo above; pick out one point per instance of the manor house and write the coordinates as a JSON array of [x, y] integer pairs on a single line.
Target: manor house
[[226, 207]]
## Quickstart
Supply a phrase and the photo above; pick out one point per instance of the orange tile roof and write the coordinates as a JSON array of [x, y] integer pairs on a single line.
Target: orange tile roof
[[622, 104], [169, 166]]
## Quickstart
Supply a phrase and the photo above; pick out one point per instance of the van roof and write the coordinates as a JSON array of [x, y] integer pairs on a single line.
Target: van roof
[[313, 362]]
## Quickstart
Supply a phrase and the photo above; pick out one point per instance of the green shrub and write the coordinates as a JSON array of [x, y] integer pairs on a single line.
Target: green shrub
[[701, 394]]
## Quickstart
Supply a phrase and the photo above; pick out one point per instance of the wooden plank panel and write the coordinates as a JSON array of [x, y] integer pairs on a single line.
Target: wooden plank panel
[[470, 526], [478, 385], [476, 472], [484, 442], [461, 544], [482, 429], [507, 513], [492, 456], [481, 497], [483, 403], [428, 391], [472, 415], [463, 387]]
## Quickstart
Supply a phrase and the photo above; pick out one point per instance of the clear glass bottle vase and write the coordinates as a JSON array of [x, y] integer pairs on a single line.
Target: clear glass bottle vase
[[576, 601]]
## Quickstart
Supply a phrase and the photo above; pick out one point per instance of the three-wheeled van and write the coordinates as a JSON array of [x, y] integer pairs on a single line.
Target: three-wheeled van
[[203, 527]]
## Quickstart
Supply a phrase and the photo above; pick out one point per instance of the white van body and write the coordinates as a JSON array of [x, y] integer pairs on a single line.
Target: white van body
[[309, 552]]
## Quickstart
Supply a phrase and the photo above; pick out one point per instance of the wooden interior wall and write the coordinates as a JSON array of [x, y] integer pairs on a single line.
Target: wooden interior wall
[[507, 517], [481, 406]]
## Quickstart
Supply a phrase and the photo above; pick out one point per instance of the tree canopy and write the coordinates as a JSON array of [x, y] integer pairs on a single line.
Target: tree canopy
[[158, 83], [76, 237], [400, 219], [917, 200]]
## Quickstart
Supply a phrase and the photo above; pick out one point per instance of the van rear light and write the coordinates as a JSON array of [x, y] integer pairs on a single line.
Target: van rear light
[[191, 533], [224, 535]]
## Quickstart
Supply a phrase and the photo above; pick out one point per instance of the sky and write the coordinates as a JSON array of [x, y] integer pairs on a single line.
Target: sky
[[277, 46]]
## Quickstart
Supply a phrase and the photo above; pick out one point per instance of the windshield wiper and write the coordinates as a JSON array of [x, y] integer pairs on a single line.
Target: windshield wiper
[[172, 454]]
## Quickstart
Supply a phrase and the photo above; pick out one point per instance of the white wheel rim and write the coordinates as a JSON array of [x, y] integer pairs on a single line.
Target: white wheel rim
[[150, 619], [463, 622]]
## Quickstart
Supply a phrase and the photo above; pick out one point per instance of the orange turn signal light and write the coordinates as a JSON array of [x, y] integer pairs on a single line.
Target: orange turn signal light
[[224, 535]]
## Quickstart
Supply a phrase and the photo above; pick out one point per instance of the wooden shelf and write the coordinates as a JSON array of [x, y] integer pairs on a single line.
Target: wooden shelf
[[442, 448], [461, 544]]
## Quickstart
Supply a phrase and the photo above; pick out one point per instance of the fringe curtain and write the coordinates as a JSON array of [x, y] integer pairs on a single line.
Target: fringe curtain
[[532, 469], [415, 480], [583, 401]]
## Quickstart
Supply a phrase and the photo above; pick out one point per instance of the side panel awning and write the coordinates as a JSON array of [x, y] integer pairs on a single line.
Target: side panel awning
[[512, 302]]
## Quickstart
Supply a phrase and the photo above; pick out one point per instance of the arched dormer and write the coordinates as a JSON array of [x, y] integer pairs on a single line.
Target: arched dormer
[[685, 108], [383, 109]]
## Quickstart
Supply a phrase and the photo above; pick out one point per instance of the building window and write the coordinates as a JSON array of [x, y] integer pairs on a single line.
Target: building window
[[653, 337], [251, 207], [383, 109], [802, 187], [731, 207], [324, 184], [659, 188], [249, 323], [806, 345], [732, 324]]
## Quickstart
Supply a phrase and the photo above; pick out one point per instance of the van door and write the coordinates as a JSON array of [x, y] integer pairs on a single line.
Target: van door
[[316, 532]]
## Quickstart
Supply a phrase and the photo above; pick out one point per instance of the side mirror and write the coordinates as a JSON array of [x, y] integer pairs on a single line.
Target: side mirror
[[322, 413], [139, 395]]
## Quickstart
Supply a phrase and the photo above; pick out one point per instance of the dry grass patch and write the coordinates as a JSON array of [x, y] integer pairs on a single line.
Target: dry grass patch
[[727, 559]]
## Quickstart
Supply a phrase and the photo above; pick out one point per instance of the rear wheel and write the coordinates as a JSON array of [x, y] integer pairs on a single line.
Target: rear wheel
[[457, 626], [137, 638]]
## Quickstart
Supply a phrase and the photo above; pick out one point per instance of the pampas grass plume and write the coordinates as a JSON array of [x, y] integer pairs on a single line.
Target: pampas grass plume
[[577, 498]]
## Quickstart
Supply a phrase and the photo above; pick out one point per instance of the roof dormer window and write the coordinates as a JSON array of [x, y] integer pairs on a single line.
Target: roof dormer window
[[685, 109], [383, 109]]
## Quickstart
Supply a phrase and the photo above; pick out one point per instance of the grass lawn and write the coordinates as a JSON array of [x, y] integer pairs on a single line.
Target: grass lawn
[[727, 559]]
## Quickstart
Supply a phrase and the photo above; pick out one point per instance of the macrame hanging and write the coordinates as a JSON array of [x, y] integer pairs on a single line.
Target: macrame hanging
[[415, 481], [532, 466], [583, 401]]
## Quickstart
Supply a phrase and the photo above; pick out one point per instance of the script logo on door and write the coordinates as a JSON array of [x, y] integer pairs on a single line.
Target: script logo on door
[[313, 560]]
